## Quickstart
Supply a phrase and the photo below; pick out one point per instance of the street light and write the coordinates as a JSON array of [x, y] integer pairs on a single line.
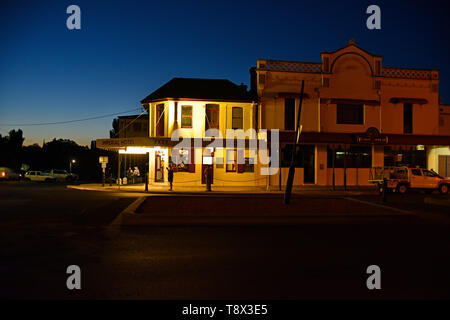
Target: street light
[[72, 161]]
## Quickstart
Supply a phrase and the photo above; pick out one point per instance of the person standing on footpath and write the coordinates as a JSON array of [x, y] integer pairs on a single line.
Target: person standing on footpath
[[170, 175], [208, 177]]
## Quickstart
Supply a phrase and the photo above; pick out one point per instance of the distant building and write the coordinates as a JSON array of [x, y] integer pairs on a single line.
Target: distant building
[[133, 126]]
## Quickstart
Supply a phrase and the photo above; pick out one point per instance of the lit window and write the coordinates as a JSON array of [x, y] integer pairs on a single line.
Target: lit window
[[238, 118], [186, 116], [212, 116]]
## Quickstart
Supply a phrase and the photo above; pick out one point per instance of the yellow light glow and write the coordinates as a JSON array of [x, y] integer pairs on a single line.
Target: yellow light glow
[[135, 150]]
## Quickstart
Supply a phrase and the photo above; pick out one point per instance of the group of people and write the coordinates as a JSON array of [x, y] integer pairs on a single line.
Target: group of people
[[207, 174], [132, 174]]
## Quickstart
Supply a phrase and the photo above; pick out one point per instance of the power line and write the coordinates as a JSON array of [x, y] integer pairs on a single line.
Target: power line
[[120, 130], [67, 121]]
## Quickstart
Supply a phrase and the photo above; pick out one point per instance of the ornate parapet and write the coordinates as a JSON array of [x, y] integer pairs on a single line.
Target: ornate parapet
[[418, 74], [290, 66]]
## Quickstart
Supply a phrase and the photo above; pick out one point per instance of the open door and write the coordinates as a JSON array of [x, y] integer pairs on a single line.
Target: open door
[[159, 168], [208, 161]]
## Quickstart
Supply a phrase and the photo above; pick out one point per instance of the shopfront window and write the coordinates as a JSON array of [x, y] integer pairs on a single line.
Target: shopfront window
[[354, 157], [183, 160], [405, 156]]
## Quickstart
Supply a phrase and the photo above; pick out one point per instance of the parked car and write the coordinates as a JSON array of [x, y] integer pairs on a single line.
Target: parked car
[[8, 174], [62, 175], [39, 176], [400, 179]]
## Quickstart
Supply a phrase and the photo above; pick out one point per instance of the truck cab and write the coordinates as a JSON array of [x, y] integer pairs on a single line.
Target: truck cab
[[427, 180], [400, 179]]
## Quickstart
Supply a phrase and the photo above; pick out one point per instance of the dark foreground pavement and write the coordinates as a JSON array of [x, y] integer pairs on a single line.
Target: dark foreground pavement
[[46, 228]]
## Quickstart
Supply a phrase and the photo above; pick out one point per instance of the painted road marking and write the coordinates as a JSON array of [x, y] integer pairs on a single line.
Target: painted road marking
[[381, 206]]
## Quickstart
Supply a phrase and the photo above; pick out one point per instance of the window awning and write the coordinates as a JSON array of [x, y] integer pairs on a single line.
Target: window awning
[[349, 101], [409, 100], [117, 144], [353, 138]]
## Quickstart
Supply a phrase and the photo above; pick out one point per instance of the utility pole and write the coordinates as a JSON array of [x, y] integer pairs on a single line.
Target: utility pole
[[290, 179], [333, 159], [147, 169]]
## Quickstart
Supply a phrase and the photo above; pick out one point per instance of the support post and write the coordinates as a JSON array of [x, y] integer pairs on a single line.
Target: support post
[[332, 161], [279, 180], [118, 170], [125, 166], [384, 193], [147, 171], [345, 167]]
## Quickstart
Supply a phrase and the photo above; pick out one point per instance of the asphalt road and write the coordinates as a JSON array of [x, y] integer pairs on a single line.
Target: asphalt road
[[45, 228]]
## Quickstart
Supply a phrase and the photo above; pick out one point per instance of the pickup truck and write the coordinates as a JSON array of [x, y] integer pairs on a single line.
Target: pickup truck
[[62, 175], [401, 179]]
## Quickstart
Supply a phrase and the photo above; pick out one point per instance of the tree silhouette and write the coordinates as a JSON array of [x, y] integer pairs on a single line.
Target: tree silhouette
[[115, 129]]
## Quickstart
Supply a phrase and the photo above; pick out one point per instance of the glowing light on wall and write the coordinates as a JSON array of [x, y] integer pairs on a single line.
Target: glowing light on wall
[[135, 150]]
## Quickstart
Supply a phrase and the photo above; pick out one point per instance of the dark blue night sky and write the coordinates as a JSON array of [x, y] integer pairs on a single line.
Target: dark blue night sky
[[127, 49]]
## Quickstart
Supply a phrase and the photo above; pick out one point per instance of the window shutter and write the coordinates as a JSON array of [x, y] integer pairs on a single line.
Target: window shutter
[[192, 162], [240, 161]]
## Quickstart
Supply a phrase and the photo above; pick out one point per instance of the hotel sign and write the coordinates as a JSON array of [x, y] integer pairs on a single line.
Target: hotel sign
[[120, 143], [372, 136], [377, 140]]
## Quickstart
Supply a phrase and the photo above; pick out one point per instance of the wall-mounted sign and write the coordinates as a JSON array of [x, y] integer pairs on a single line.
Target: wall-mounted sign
[[377, 140], [103, 160], [120, 143], [372, 136]]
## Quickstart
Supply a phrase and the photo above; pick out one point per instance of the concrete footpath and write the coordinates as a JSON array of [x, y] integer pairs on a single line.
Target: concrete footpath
[[220, 190]]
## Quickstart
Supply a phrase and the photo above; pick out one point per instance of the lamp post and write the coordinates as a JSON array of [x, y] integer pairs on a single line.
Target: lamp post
[[72, 161]]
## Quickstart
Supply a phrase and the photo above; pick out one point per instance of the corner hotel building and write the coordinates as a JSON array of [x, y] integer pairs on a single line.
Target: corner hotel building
[[356, 114]]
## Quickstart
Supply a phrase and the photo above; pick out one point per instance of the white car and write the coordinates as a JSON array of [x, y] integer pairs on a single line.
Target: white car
[[39, 176]]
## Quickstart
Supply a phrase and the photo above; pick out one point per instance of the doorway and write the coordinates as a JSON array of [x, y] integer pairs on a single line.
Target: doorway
[[208, 162], [159, 167], [309, 167]]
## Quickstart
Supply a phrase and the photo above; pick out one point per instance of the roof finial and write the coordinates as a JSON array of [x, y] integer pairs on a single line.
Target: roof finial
[[352, 41]]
